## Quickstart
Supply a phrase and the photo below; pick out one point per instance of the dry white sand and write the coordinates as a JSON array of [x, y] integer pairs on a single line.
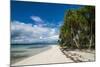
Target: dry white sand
[[53, 55]]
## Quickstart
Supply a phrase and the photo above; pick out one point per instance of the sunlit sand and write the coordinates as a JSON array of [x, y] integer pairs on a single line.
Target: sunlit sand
[[53, 55]]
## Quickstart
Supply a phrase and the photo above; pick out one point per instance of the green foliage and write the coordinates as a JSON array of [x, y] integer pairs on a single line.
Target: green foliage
[[78, 29]]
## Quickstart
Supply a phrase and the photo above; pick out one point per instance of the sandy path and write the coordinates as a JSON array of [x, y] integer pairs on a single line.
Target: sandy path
[[53, 55]]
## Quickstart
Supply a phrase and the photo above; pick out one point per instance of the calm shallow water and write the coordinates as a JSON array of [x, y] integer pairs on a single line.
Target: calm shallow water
[[20, 52]]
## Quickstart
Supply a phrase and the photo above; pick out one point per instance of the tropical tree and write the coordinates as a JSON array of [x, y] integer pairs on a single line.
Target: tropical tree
[[78, 29]]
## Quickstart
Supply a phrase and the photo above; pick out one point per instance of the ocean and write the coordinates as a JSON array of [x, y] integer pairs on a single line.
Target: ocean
[[23, 51]]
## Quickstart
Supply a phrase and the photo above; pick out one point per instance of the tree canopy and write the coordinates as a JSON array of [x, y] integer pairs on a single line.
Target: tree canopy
[[78, 29]]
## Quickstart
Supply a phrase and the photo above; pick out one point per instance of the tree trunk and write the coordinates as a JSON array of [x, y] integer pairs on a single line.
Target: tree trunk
[[91, 36], [76, 43], [90, 43], [74, 39]]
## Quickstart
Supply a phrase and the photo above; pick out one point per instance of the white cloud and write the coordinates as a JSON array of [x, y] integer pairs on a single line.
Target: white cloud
[[36, 19], [28, 33]]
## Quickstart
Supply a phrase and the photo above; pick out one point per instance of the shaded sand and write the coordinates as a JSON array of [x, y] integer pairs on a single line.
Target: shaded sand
[[80, 55], [53, 55]]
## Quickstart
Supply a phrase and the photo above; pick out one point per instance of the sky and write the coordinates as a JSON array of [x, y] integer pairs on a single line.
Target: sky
[[33, 22]]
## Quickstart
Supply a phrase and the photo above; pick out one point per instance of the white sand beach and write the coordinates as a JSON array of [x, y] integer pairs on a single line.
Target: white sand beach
[[53, 55]]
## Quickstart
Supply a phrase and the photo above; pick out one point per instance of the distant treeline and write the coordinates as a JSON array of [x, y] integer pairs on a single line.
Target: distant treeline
[[78, 29]]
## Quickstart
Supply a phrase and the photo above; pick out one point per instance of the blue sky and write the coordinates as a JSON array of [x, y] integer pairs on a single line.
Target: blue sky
[[36, 22]]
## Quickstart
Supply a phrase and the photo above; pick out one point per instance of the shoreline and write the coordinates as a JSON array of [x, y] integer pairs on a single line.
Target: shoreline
[[53, 55], [56, 55], [34, 51]]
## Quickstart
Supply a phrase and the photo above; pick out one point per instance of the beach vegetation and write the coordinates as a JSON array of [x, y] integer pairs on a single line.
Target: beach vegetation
[[78, 29]]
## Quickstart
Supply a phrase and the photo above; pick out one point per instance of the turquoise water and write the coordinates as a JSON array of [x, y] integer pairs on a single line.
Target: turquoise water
[[20, 52]]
